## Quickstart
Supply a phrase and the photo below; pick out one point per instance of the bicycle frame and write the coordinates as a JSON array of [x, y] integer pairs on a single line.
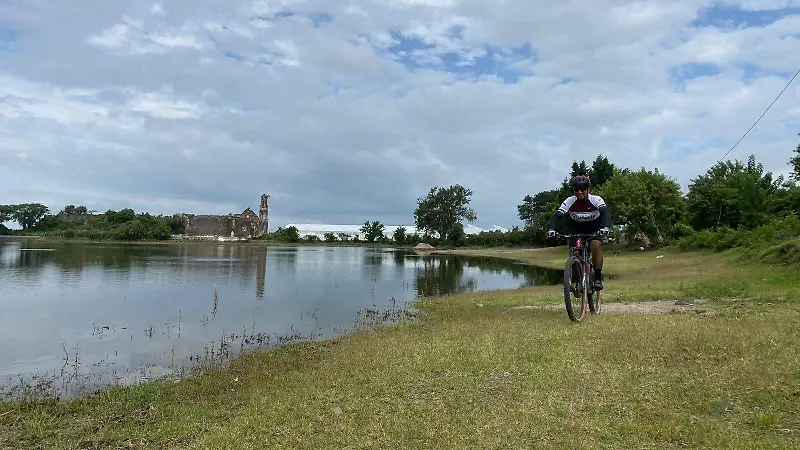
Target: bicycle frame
[[583, 244], [583, 289]]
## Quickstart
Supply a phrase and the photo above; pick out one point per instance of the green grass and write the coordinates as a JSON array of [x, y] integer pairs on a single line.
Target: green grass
[[473, 373]]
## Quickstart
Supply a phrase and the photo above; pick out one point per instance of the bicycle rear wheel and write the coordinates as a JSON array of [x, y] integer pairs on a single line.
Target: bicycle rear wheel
[[574, 289]]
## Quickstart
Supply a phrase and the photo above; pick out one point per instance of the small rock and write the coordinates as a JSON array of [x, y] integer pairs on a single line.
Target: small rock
[[659, 256], [336, 411], [641, 248]]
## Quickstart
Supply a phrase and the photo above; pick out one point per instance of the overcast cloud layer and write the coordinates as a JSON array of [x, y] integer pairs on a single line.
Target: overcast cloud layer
[[349, 111]]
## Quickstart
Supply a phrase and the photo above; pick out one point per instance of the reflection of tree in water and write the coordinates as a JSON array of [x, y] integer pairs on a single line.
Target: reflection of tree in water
[[445, 275], [442, 276], [122, 259], [373, 263], [533, 275]]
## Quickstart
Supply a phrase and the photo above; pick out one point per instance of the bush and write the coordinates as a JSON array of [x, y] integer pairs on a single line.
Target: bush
[[131, 231], [290, 234], [785, 253], [681, 230], [726, 238], [161, 232]]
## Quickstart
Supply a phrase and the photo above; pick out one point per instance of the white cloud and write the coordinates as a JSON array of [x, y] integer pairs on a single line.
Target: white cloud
[[160, 105], [130, 38], [204, 108]]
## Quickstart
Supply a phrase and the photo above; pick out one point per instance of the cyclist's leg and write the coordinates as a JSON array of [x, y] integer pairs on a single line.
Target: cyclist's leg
[[597, 262]]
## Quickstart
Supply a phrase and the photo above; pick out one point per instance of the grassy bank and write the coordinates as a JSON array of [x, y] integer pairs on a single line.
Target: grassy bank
[[473, 372]]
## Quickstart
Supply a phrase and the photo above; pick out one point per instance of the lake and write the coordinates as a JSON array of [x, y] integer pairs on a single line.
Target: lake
[[79, 316]]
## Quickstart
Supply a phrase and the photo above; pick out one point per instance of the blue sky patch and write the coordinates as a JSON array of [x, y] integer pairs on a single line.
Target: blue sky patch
[[689, 71], [416, 54], [320, 19], [7, 39], [726, 16]]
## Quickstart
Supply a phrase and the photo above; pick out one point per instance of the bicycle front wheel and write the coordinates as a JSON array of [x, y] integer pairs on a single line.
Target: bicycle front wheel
[[574, 289], [593, 297]]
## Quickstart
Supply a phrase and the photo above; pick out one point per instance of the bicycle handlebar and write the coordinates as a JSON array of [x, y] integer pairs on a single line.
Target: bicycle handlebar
[[559, 235]]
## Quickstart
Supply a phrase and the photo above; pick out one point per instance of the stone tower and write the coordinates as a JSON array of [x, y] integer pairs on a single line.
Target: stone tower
[[263, 216]]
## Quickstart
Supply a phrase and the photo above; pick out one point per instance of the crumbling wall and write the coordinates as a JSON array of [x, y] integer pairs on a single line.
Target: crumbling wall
[[244, 225], [213, 225]]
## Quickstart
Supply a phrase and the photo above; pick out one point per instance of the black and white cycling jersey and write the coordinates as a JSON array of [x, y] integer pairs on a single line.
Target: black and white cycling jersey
[[586, 216]]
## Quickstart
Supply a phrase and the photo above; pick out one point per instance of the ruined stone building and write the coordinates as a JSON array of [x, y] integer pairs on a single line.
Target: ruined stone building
[[246, 225]]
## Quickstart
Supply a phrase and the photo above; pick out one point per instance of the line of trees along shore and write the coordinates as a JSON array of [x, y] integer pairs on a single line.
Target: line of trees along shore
[[733, 204], [79, 222]]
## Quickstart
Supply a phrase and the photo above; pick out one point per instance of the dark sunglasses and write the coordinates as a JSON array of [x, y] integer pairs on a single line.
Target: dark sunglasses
[[580, 189]]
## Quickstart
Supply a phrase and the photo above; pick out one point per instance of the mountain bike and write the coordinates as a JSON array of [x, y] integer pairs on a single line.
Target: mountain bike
[[579, 289]]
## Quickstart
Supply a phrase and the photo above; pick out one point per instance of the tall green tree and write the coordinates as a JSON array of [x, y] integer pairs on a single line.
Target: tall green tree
[[29, 214], [601, 172], [579, 169], [399, 235], [644, 202], [372, 231], [442, 209], [732, 194]]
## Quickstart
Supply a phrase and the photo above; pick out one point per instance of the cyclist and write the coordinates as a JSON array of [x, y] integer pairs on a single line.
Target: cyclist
[[588, 214]]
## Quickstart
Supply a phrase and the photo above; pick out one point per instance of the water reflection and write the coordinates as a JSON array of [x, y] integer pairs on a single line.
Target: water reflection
[[120, 311]]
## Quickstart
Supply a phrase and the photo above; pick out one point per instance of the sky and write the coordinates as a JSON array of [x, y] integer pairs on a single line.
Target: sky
[[346, 111]]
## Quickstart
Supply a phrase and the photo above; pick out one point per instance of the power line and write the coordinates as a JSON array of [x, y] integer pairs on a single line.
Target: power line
[[762, 115]]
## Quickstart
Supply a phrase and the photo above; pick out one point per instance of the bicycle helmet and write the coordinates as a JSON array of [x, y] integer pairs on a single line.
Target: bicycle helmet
[[581, 181]]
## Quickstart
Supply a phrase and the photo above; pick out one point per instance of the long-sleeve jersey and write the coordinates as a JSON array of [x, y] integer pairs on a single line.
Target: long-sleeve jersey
[[586, 216]]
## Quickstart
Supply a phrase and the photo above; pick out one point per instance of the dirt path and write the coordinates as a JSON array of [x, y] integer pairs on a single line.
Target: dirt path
[[638, 308]]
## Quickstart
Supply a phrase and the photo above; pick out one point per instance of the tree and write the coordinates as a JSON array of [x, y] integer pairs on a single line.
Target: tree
[[795, 162], [732, 194], [456, 236], [372, 231], [579, 169], [442, 208], [644, 202], [601, 172], [330, 237], [536, 210], [399, 235], [68, 210], [289, 234], [29, 214], [7, 212]]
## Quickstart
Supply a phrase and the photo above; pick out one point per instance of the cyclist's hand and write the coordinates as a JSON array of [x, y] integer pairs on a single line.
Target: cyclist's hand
[[551, 234]]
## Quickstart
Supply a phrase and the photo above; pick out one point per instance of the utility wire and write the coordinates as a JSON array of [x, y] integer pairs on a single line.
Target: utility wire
[[762, 115]]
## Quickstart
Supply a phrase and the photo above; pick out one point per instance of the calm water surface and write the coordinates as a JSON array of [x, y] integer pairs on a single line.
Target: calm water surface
[[79, 316]]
